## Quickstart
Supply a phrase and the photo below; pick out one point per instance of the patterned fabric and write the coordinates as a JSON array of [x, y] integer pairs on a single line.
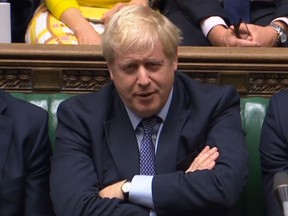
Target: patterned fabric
[[147, 148], [44, 28]]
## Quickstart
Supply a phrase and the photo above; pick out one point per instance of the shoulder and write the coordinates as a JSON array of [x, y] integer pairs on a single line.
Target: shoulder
[[280, 97], [279, 102], [211, 99], [15, 107], [90, 102]]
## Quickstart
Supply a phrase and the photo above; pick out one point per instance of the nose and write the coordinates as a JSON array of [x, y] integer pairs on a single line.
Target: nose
[[143, 77]]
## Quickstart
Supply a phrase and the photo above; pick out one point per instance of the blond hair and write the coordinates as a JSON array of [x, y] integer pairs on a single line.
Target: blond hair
[[139, 29]]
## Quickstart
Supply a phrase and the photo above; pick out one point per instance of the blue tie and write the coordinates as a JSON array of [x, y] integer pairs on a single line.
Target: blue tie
[[147, 148], [237, 9]]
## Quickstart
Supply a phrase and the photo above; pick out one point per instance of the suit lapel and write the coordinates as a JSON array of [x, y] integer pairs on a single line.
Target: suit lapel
[[5, 136], [166, 155], [168, 144], [124, 148], [123, 145]]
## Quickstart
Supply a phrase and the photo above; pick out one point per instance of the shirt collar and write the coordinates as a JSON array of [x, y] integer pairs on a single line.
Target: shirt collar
[[135, 119]]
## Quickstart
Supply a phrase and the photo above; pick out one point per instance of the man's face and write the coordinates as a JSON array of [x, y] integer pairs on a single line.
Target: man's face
[[143, 80]]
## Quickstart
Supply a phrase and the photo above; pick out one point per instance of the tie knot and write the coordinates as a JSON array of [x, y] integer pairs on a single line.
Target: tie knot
[[149, 123]]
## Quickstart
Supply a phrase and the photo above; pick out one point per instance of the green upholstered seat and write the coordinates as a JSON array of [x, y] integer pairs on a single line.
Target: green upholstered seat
[[253, 110], [48, 102]]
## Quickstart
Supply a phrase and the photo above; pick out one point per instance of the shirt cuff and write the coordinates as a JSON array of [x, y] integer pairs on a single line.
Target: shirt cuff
[[210, 22], [141, 191], [283, 19]]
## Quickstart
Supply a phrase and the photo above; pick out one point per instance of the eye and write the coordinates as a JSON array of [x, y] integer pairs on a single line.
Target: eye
[[128, 68], [153, 66]]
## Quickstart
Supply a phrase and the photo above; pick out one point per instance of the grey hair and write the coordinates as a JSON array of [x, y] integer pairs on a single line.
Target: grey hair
[[139, 29]]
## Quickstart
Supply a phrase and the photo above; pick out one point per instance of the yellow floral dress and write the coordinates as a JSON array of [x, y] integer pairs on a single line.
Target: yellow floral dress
[[46, 27]]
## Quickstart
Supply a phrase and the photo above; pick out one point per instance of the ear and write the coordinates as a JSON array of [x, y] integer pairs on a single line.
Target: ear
[[110, 71], [175, 61]]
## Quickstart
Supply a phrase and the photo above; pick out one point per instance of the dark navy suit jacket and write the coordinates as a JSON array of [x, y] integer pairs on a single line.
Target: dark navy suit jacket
[[274, 147], [187, 14], [96, 146], [24, 159]]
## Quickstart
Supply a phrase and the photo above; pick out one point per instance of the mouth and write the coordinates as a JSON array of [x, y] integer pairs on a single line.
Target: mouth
[[145, 95]]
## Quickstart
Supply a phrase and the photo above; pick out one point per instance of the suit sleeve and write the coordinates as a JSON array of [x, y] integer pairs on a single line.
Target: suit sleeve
[[37, 201], [201, 9], [274, 149], [74, 181], [281, 8], [181, 193]]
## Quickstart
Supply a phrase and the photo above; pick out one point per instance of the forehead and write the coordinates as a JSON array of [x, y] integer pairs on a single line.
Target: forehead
[[140, 54]]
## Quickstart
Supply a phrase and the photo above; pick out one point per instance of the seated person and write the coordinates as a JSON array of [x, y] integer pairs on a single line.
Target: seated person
[[274, 148], [25, 159], [205, 23], [73, 21], [152, 141]]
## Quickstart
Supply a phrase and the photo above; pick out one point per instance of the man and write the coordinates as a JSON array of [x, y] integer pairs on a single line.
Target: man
[[274, 148], [25, 153], [206, 22], [100, 165]]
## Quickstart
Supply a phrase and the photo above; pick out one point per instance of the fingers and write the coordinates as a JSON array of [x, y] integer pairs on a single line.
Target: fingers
[[106, 17], [205, 160], [233, 41], [112, 191]]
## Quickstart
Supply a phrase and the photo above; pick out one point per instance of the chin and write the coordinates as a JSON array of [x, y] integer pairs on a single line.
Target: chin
[[147, 112]]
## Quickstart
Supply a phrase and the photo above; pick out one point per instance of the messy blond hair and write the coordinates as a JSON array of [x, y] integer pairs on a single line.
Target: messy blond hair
[[139, 29]]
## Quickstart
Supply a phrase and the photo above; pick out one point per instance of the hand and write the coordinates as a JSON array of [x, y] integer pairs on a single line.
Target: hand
[[82, 29], [205, 160], [112, 191], [264, 36], [222, 36], [87, 35], [106, 17]]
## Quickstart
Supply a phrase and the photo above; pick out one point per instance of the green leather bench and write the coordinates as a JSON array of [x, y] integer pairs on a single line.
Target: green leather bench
[[253, 110]]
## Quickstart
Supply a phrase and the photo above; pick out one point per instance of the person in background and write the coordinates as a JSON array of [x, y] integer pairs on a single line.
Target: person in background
[[21, 14], [152, 141], [206, 22], [25, 153], [73, 21], [274, 148]]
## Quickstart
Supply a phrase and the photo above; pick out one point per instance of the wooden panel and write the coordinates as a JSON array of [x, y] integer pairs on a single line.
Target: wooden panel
[[82, 68]]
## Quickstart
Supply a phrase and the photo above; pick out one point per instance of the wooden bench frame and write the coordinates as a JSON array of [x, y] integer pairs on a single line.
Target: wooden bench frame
[[82, 68]]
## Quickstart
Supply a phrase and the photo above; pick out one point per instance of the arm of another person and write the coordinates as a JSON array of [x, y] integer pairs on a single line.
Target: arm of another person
[[210, 16], [69, 13], [274, 148], [71, 16], [120, 5], [266, 36], [37, 196], [220, 35], [82, 29]]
